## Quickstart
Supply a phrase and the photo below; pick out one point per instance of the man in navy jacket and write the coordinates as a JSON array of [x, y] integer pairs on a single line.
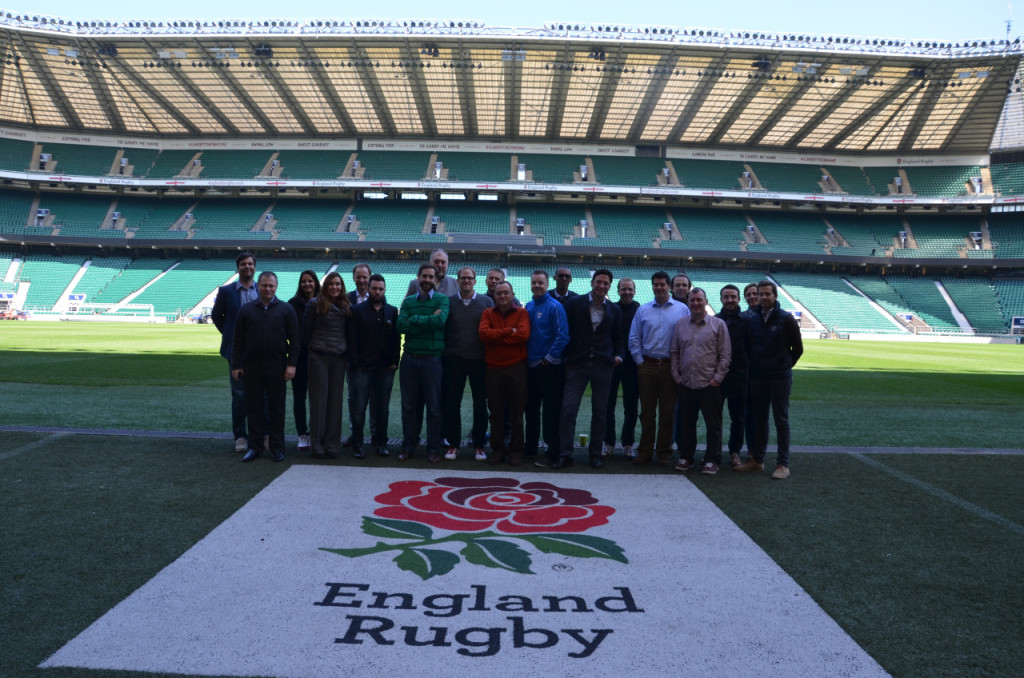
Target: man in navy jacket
[[595, 349], [230, 298], [775, 347]]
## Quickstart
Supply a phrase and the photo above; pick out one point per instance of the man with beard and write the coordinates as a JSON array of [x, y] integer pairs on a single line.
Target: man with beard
[[624, 374], [421, 319], [373, 355], [231, 298], [734, 387]]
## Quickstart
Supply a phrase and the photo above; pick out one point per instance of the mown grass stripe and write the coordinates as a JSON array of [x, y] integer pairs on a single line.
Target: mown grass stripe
[[942, 494], [31, 446]]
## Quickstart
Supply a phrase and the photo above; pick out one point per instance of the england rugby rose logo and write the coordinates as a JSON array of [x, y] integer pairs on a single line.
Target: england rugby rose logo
[[490, 521]]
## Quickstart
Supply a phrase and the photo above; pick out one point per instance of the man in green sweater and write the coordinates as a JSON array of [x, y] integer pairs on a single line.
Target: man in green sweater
[[421, 319]]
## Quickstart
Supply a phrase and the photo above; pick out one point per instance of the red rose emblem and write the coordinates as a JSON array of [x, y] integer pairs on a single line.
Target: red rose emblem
[[501, 504]]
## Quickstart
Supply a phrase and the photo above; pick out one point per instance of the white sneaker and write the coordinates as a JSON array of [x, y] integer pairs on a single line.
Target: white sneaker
[[628, 452], [451, 454], [241, 445], [303, 443], [481, 455], [606, 450]]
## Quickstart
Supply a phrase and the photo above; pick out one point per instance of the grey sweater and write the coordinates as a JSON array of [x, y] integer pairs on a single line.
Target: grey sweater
[[462, 331]]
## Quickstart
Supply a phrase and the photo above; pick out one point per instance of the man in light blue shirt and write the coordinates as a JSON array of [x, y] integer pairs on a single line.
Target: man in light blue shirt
[[650, 338]]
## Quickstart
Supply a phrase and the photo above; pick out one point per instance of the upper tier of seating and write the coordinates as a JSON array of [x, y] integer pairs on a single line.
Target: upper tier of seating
[[307, 164]]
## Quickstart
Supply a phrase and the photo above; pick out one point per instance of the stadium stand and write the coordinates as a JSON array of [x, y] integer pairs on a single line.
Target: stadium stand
[[865, 235], [723, 174], [312, 164], [489, 167], [939, 235], [941, 181], [459, 217], [837, 305], [99, 274], [977, 299], [311, 220], [707, 230], [1008, 178], [551, 169], [389, 221], [169, 164], [636, 227], [786, 177], [228, 219], [553, 222], [133, 277], [791, 233], [1007, 234], [90, 161], [184, 286], [1010, 293], [920, 297], [232, 164], [49, 277], [628, 171], [394, 165], [79, 216], [16, 155], [16, 213], [851, 180]]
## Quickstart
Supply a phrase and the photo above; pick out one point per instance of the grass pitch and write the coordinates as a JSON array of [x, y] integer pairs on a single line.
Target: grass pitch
[[917, 556]]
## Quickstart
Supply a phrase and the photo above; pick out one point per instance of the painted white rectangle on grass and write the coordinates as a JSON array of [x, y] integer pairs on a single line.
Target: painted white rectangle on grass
[[633, 575]]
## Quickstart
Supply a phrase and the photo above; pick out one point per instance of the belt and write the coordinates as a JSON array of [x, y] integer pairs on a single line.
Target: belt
[[657, 361]]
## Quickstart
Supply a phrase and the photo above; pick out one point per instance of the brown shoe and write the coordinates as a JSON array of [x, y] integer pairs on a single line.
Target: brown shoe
[[734, 460], [749, 465], [780, 473], [495, 459], [640, 461]]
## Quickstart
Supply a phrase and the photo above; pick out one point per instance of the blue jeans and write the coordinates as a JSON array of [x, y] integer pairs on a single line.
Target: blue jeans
[[371, 387], [419, 379]]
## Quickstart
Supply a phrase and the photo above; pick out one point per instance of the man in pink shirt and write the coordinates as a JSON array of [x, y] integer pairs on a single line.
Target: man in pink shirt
[[700, 352]]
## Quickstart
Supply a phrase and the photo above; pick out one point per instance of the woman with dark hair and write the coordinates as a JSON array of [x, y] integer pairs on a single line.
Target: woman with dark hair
[[325, 329], [309, 287]]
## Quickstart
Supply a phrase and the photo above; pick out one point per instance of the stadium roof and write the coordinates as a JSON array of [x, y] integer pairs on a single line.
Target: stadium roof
[[571, 83]]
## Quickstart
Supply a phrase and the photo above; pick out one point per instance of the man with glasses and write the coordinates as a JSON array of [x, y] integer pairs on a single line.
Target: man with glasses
[[464, 359]]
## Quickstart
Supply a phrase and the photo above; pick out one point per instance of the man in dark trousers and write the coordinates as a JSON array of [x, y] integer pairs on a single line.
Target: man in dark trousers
[[373, 354], [230, 298], [734, 386], [775, 347], [464, 360], [626, 375], [265, 348], [595, 349]]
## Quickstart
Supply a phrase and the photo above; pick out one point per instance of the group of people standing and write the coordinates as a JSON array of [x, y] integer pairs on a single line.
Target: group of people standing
[[527, 366]]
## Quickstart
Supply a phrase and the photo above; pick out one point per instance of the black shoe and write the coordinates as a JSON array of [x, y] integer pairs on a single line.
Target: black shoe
[[347, 442], [562, 462], [250, 455], [277, 456], [382, 451], [358, 453], [595, 462]]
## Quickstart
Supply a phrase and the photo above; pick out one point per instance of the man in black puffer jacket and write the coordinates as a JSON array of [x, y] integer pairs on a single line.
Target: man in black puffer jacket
[[775, 347]]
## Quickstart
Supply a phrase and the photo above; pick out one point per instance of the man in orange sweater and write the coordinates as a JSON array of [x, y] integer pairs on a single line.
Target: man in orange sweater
[[504, 330]]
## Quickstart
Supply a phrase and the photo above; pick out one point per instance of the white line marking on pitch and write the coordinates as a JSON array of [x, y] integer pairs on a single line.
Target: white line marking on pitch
[[942, 494], [31, 446]]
